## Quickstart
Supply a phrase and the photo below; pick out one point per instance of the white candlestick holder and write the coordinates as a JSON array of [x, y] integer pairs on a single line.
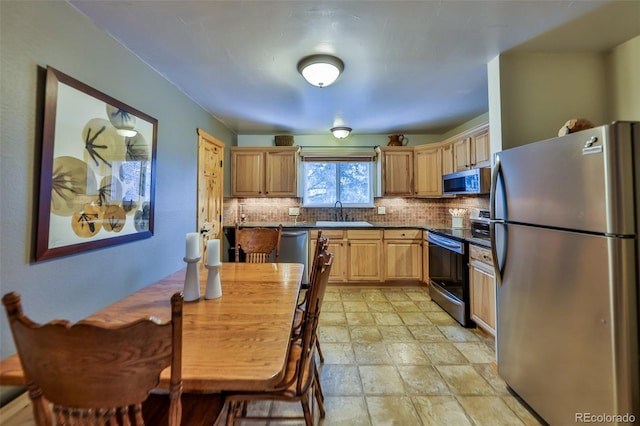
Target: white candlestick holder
[[214, 288], [191, 291]]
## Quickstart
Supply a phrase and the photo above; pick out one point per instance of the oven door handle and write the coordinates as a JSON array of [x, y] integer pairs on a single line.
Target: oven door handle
[[446, 243]]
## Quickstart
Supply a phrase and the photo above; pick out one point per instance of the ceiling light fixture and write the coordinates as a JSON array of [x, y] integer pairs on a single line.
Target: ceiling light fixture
[[320, 70], [341, 132]]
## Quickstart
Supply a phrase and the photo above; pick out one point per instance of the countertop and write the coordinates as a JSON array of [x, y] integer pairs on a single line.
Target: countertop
[[462, 233]]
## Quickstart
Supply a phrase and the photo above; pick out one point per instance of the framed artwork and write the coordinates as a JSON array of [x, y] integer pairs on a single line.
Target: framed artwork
[[97, 178]]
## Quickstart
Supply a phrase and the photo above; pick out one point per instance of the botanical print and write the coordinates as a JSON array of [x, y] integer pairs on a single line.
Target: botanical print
[[101, 174]]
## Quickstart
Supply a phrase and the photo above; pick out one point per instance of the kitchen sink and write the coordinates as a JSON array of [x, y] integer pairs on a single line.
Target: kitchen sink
[[342, 224]]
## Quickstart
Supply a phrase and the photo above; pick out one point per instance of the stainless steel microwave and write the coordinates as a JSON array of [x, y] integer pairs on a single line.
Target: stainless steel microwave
[[474, 181]]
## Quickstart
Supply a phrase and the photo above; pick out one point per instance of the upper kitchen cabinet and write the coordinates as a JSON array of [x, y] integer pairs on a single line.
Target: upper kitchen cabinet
[[471, 150], [397, 171], [264, 172], [427, 171], [447, 158]]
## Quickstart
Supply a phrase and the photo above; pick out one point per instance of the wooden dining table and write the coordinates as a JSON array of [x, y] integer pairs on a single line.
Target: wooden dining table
[[239, 341]]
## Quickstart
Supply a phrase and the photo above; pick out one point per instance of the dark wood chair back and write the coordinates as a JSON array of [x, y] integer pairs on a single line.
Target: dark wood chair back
[[96, 373], [258, 243]]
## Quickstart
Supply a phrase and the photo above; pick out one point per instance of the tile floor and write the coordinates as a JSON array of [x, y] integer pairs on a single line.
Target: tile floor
[[394, 357]]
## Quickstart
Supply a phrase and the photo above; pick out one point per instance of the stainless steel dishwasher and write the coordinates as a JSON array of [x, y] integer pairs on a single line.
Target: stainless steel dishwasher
[[294, 248]]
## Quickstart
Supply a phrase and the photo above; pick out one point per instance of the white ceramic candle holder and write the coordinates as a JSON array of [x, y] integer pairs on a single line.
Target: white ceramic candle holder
[[191, 291], [214, 288]]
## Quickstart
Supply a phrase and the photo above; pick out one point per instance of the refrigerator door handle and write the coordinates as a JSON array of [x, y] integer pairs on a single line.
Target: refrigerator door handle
[[495, 175]]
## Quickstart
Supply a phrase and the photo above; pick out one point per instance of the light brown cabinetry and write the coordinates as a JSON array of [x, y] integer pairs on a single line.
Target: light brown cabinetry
[[447, 159], [427, 171], [472, 151], [403, 252], [397, 171], [482, 288], [481, 148], [357, 254], [264, 172], [462, 154], [364, 255]]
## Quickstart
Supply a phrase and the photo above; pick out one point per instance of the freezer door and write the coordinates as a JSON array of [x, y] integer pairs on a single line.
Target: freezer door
[[582, 181], [567, 322]]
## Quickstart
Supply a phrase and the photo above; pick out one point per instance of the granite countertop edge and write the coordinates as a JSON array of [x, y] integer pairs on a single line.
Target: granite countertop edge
[[375, 225]]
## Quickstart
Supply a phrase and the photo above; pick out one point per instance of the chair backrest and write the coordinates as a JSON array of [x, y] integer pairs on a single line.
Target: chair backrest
[[312, 314], [97, 373], [258, 243], [321, 246]]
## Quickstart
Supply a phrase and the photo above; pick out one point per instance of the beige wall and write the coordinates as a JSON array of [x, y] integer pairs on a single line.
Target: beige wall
[[624, 65], [37, 34], [531, 95]]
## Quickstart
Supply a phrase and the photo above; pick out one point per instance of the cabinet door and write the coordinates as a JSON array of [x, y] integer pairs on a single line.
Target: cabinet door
[[483, 295], [481, 150], [364, 260], [247, 168], [397, 172], [447, 159], [461, 155], [428, 172], [281, 174], [404, 260]]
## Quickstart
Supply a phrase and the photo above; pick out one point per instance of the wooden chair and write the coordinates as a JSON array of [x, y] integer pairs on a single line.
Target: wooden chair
[[321, 246], [93, 373], [258, 243], [301, 381]]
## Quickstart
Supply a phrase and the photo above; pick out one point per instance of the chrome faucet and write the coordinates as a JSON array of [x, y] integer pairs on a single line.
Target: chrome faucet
[[335, 207]]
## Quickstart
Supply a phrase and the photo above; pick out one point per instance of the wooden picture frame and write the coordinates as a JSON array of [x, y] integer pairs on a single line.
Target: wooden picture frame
[[97, 176]]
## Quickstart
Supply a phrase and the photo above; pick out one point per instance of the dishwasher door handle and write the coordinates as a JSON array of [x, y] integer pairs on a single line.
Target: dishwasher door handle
[[293, 234]]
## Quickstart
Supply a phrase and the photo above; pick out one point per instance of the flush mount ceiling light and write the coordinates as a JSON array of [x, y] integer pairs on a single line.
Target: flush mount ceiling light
[[341, 132], [320, 70]]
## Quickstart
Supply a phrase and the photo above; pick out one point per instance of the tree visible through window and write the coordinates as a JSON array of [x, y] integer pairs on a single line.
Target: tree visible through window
[[347, 182]]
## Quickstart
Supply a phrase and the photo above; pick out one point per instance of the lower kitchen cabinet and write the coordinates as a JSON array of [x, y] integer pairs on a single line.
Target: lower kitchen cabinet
[[357, 254], [482, 286], [364, 255], [403, 251]]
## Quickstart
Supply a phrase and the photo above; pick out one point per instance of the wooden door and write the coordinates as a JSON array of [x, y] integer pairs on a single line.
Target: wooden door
[[210, 184], [428, 172]]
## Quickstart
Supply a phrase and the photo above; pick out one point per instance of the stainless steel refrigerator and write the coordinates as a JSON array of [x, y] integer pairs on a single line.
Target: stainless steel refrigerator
[[565, 238]]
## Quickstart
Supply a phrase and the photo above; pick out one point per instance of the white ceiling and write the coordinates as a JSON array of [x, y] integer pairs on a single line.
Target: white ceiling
[[410, 66]]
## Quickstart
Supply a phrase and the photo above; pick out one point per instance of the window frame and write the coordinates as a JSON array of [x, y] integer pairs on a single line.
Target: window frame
[[368, 204]]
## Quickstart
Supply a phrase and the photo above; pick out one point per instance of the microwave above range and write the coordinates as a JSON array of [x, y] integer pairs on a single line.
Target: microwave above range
[[474, 181]]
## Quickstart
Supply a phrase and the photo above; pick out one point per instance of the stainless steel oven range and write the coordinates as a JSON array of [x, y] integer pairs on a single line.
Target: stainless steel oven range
[[449, 275]]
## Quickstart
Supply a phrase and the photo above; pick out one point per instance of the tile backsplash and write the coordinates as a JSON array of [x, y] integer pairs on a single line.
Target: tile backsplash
[[410, 211]]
